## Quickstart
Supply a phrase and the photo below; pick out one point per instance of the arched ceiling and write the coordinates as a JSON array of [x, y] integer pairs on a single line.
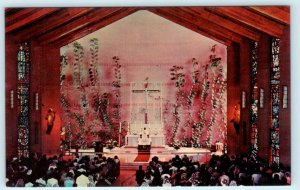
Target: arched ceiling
[[60, 26]]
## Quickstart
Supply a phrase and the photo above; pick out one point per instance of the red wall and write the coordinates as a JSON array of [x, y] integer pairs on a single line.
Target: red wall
[[10, 84], [233, 95], [50, 98]]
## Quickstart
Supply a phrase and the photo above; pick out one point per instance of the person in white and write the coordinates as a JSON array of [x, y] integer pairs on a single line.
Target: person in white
[[140, 140], [82, 181], [148, 140]]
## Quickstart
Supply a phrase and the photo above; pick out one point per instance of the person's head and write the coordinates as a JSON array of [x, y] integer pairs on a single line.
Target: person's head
[[140, 167]]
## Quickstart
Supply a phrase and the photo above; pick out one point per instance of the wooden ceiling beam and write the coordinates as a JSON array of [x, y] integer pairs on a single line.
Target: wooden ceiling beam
[[9, 10], [18, 15], [40, 13], [92, 27], [47, 24], [191, 26], [228, 24], [245, 16], [274, 12], [77, 24], [203, 24]]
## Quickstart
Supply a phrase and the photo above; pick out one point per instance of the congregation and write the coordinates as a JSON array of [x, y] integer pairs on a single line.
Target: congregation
[[40, 171], [239, 170]]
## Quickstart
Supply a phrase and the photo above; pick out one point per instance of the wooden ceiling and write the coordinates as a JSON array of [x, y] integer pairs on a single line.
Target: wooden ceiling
[[60, 26]]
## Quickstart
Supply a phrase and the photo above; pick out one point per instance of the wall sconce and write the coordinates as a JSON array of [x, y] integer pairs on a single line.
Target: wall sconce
[[261, 98], [236, 118], [11, 99], [285, 97], [243, 99], [36, 101]]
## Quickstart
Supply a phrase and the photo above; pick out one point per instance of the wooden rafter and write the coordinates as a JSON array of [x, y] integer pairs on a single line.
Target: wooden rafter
[[9, 10], [77, 24], [101, 22], [276, 13], [47, 24], [205, 25], [251, 19], [18, 15], [228, 24], [29, 19], [191, 26]]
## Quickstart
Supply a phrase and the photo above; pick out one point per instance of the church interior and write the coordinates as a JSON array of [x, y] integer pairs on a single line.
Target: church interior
[[147, 96]]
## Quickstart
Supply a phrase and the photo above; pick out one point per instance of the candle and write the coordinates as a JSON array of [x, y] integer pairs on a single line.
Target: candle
[[120, 127]]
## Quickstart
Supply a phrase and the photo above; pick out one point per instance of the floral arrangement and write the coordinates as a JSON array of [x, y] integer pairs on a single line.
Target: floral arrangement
[[176, 144], [110, 144]]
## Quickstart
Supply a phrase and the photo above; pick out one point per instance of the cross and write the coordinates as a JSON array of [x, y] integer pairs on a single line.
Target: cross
[[146, 91]]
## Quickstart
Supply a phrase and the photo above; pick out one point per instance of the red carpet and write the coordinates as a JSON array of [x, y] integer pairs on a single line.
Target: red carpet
[[142, 157]]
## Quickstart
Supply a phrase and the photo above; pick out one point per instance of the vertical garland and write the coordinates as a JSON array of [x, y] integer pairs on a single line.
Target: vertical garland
[[116, 84], [190, 100], [178, 76], [23, 91], [254, 97], [94, 49], [93, 81], [77, 83], [223, 100], [275, 81], [215, 92], [65, 131], [78, 60], [103, 109]]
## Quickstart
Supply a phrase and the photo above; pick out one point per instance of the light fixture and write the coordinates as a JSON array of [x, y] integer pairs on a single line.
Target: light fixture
[[11, 99], [243, 99], [261, 98], [36, 101], [285, 97]]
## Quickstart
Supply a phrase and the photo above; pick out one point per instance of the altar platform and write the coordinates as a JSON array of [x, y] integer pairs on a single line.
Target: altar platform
[[127, 154]]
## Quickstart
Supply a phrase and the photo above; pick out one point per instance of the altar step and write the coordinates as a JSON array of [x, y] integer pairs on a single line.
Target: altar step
[[134, 150], [134, 165]]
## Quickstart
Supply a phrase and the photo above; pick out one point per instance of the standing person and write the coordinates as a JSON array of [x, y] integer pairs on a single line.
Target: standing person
[[50, 117], [139, 175]]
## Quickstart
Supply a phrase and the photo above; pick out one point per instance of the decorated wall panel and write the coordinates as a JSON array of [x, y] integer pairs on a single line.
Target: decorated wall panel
[[275, 100], [23, 87]]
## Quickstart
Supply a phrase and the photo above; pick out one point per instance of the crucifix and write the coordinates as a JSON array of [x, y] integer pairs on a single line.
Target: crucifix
[[146, 92]]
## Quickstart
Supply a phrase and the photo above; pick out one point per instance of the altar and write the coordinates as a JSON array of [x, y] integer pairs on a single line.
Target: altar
[[145, 114], [157, 140]]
